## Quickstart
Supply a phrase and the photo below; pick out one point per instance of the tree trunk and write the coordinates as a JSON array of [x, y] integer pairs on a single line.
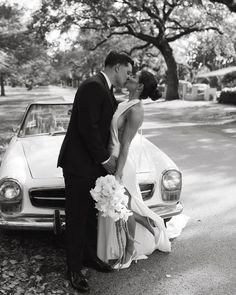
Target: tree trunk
[[172, 77], [2, 85]]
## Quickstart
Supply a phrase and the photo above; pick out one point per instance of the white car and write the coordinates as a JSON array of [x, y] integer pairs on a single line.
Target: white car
[[32, 192]]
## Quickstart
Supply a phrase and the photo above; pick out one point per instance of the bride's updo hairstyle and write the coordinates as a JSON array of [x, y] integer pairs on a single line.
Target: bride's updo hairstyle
[[149, 85]]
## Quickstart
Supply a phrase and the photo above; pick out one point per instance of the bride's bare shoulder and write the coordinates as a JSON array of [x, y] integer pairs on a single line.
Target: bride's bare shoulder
[[136, 113]]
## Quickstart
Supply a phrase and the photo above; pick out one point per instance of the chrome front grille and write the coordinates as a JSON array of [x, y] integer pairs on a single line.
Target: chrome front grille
[[147, 190], [48, 198], [55, 197]]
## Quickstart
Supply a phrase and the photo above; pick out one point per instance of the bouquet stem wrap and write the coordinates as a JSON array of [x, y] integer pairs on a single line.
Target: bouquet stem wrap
[[119, 227], [122, 226]]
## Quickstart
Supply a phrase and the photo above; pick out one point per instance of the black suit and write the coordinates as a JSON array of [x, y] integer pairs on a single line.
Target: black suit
[[82, 152]]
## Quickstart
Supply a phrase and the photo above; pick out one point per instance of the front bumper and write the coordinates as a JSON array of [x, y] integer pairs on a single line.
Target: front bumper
[[56, 222], [167, 211]]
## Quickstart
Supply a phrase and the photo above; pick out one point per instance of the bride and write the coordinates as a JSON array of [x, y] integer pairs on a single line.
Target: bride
[[146, 230]]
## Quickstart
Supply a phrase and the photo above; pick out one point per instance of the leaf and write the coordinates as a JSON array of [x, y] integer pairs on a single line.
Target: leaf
[[66, 284], [38, 278], [4, 263], [11, 274], [19, 291], [38, 257]]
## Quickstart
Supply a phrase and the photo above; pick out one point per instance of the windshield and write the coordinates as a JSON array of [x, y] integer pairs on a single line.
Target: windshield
[[46, 118]]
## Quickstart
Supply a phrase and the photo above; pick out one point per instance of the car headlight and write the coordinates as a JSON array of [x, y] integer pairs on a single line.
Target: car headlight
[[171, 185], [172, 180], [10, 196], [10, 190]]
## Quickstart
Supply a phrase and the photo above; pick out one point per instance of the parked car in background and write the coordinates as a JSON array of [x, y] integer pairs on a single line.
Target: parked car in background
[[32, 191], [197, 91]]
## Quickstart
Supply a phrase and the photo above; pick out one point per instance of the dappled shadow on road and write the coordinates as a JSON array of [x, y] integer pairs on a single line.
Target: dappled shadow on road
[[200, 263], [206, 156], [183, 112]]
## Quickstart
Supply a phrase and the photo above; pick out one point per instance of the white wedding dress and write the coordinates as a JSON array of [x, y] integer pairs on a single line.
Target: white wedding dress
[[145, 242]]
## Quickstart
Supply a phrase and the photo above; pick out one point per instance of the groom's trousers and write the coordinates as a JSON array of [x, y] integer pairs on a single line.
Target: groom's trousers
[[81, 221]]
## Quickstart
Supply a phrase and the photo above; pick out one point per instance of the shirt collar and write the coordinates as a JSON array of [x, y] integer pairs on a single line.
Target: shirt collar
[[107, 79]]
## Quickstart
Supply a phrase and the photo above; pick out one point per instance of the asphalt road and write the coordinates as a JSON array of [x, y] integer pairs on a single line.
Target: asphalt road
[[203, 258]]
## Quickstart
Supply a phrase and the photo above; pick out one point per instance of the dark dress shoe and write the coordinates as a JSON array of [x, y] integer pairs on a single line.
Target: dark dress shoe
[[78, 281], [98, 265]]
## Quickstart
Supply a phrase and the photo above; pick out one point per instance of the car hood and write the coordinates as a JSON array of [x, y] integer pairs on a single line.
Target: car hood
[[41, 153]]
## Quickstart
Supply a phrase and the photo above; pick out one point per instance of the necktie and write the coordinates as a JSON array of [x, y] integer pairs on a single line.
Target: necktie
[[113, 97]]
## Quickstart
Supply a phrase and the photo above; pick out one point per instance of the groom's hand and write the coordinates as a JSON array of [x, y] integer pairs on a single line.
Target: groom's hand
[[110, 165]]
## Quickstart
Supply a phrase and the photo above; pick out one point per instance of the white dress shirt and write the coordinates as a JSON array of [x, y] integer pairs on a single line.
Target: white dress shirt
[[107, 79], [109, 86]]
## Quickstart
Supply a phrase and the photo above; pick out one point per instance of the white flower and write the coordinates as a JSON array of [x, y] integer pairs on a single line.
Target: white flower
[[110, 198]]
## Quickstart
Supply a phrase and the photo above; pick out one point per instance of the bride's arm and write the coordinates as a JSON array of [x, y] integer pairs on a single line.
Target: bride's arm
[[132, 123]]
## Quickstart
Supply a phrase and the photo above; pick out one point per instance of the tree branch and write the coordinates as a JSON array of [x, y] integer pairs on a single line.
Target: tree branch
[[135, 8], [107, 37], [150, 13], [156, 8], [139, 47], [191, 30], [178, 25], [168, 13]]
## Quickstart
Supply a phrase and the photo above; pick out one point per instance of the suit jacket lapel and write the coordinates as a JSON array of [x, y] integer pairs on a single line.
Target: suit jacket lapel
[[110, 95]]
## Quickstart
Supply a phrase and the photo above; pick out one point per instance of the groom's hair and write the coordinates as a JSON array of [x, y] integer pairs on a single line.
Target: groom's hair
[[114, 58]]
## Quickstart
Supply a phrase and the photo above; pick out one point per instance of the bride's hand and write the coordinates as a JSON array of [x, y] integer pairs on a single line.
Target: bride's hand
[[110, 166], [118, 176]]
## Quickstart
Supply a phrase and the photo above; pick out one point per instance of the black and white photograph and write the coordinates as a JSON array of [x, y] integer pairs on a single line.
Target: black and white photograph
[[117, 147]]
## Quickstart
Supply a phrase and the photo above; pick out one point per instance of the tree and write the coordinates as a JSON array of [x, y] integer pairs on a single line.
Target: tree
[[154, 23], [4, 65], [231, 4], [80, 62], [212, 51], [229, 80], [25, 56], [9, 21]]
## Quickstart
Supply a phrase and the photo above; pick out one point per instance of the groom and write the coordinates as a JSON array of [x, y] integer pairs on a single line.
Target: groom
[[84, 157]]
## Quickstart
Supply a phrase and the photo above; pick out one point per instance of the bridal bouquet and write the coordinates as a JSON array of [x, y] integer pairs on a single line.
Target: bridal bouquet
[[110, 198]]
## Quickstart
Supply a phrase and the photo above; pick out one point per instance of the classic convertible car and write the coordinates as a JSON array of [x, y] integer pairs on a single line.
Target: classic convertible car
[[32, 192]]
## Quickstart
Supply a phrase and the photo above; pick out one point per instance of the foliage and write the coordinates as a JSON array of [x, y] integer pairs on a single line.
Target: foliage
[[228, 95], [155, 23], [229, 80], [80, 62], [212, 50], [24, 56], [231, 4]]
